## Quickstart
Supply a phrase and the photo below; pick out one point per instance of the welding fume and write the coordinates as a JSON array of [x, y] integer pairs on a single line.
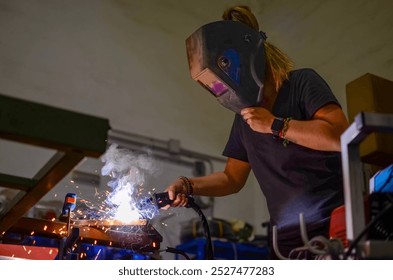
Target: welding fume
[[286, 129]]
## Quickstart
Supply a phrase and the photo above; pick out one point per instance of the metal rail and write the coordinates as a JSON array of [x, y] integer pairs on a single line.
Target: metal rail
[[354, 183]]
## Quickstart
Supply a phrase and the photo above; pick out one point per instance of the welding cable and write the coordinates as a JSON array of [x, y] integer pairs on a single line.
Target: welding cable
[[209, 245], [275, 244], [300, 252], [332, 247], [177, 251], [367, 228], [162, 199], [306, 241]]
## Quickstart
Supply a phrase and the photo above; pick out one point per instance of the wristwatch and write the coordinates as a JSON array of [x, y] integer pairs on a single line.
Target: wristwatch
[[277, 126]]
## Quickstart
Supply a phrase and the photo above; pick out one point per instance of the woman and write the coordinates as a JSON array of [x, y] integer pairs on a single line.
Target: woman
[[291, 142]]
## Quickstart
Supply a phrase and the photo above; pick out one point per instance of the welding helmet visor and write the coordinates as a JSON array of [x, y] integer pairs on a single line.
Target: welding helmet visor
[[228, 59]]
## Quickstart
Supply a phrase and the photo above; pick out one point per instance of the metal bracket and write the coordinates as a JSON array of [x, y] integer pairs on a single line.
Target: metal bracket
[[364, 124]]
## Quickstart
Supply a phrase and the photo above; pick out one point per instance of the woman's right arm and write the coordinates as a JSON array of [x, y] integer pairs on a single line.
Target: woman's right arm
[[222, 183]]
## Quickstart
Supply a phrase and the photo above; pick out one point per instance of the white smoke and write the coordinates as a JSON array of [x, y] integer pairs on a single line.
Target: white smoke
[[128, 172]]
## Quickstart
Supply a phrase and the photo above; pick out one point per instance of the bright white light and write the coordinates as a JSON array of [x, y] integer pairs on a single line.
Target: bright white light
[[127, 172]]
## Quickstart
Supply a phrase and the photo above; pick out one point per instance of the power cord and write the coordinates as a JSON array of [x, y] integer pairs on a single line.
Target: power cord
[[176, 251], [355, 242], [162, 199], [319, 246], [205, 223]]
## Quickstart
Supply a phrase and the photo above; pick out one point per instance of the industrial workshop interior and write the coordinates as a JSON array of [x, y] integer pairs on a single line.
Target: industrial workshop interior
[[99, 115]]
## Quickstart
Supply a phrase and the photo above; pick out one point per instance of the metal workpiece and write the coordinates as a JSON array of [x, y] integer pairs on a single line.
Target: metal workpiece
[[139, 235]]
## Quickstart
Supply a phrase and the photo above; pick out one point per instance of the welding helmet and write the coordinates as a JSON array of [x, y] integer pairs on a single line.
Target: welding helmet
[[228, 59]]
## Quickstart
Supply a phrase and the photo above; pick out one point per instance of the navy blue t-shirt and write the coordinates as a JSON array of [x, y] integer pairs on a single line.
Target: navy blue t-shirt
[[294, 179]]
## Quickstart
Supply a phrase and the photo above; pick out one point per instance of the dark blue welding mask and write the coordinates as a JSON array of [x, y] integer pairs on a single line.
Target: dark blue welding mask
[[228, 59]]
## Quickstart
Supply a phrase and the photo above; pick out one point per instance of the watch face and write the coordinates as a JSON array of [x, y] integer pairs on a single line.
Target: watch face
[[277, 126]]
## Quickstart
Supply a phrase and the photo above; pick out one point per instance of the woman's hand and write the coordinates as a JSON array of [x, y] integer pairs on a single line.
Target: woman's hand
[[258, 118], [178, 193]]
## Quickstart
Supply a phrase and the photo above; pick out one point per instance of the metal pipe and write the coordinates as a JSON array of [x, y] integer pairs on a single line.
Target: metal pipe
[[170, 149]]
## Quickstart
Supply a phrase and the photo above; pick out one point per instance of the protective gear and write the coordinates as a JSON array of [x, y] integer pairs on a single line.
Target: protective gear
[[228, 59]]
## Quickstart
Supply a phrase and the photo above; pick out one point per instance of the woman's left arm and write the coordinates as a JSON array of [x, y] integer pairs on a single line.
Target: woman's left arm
[[322, 132]]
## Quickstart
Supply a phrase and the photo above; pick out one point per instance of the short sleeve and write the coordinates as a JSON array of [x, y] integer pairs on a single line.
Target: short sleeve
[[234, 147], [314, 92]]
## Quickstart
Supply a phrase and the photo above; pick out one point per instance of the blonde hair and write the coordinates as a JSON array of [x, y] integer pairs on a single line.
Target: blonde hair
[[278, 63]]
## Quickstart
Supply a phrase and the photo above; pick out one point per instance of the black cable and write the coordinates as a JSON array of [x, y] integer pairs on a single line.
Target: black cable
[[177, 251], [366, 229], [205, 223], [162, 199]]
